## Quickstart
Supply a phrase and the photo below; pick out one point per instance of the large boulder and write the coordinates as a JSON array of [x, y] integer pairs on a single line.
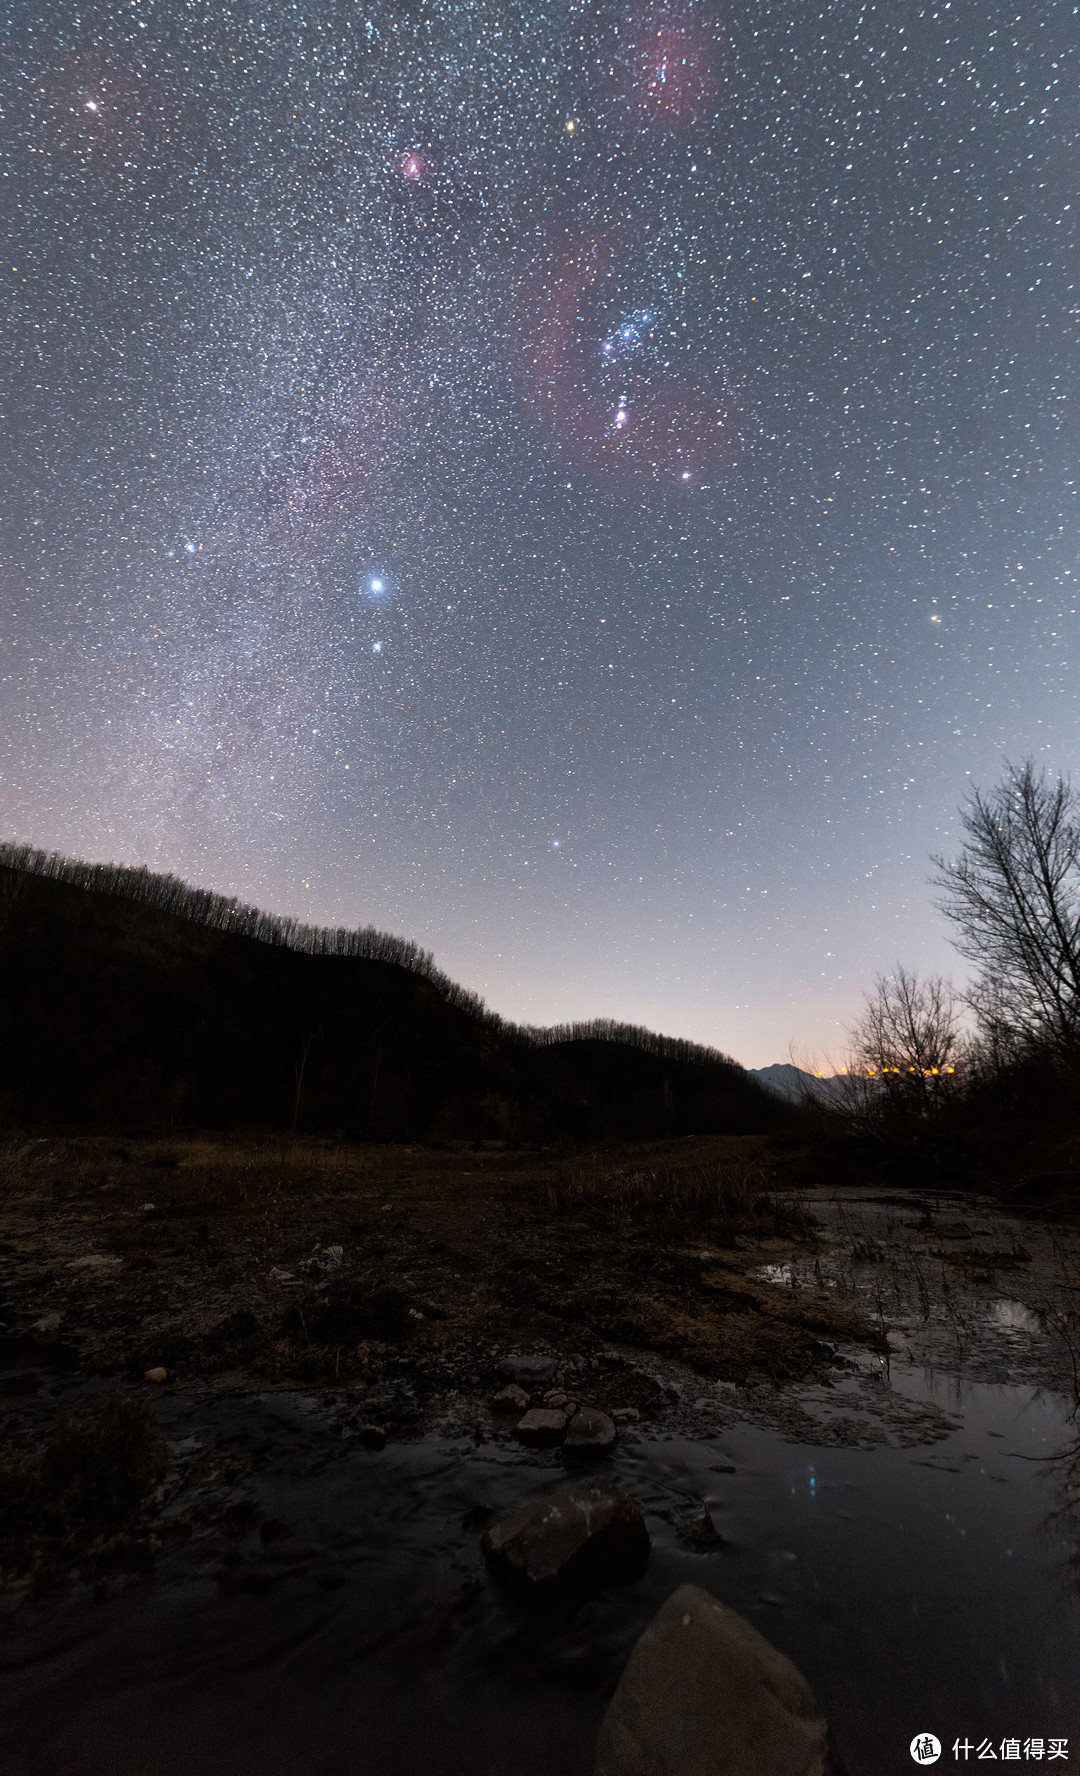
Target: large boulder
[[589, 1432], [704, 1694], [585, 1531], [541, 1428]]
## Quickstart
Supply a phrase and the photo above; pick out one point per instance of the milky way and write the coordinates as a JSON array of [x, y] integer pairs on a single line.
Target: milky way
[[587, 488]]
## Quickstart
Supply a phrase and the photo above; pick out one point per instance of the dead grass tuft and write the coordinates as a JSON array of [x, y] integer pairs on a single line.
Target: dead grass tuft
[[94, 1472], [732, 1346], [732, 1191]]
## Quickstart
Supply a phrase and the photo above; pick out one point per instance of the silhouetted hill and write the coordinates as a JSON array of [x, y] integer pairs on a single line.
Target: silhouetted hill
[[131, 1001]]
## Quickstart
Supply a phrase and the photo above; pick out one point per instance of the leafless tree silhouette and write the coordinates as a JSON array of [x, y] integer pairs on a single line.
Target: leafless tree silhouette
[[909, 1039], [1014, 895]]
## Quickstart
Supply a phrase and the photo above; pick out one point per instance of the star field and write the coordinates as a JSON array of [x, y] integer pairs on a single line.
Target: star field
[[585, 487]]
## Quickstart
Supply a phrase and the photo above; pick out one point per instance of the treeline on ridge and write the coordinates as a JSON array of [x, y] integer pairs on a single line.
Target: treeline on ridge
[[220, 912], [134, 999]]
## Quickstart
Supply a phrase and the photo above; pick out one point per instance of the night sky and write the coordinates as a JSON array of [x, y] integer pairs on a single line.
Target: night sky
[[586, 488]]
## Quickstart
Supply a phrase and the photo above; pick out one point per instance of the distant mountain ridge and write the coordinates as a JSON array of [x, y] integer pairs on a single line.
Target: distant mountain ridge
[[795, 1084]]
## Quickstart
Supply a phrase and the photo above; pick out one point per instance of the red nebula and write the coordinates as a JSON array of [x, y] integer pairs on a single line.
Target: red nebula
[[672, 431], [667, 67], [102, 109], [412, 166]]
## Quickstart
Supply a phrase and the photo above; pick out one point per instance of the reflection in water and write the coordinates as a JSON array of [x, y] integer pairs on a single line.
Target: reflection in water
[[775, 1273], [920, 1589], [1013, 1316], [1064, 1520]]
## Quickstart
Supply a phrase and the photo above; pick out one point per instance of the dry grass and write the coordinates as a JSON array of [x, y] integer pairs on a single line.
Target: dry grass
[[254, 1186], [94, 1472], [730, 1345], [442, 1249], [732, 1191]]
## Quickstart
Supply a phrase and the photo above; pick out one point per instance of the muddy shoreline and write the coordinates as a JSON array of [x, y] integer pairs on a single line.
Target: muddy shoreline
[[396, 1279]]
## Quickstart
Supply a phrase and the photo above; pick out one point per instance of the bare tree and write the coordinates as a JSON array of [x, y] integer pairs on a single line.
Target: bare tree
[[11, 886], [1014, 895], [909, 1040]]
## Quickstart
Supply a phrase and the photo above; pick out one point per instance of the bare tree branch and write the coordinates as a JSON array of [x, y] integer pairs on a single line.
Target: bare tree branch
[[1014, 896], [908, 1039]]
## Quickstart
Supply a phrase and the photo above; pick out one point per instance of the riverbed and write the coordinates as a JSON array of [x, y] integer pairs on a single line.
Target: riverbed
[[850, 1415], [921, 1589]]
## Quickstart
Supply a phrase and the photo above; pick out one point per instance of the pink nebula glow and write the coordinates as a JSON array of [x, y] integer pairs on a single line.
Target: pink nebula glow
[[412, 166], [668, 68]]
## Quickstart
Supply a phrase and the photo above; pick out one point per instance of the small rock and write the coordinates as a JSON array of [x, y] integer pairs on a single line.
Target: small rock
[[149, 1208], [96, 1261], [705, 1694], [527, 1369], [48, 1325], [589, 1432], [625, 1414], [558, 1400], [582, 1532], [157, 1374], [701, 1531], [322, 1258], [373, 1437], [541, 1428], [510, 1401]]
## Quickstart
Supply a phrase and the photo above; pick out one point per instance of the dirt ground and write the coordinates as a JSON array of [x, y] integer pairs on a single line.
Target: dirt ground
[[681, 1286]]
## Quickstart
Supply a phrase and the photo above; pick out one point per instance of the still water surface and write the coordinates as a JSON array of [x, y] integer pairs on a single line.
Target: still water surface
[[919, 1589]]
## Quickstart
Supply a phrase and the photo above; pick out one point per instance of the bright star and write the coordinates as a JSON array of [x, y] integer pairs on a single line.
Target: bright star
[[376, 585], [90, 105], [376, 647]]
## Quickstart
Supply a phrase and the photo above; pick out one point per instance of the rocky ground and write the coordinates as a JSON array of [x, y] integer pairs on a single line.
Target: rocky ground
[[677, 1287]]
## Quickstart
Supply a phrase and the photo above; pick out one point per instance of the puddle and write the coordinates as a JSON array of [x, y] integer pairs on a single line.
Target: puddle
[[1013, 1316], [775, 1273], [920, 1589]]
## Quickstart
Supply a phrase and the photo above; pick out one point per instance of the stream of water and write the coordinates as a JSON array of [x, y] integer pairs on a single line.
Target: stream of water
[[924, 1589]]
